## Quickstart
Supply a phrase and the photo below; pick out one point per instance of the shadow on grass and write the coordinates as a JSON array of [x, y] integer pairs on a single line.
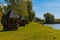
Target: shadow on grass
[[6, 30], [3, 30]]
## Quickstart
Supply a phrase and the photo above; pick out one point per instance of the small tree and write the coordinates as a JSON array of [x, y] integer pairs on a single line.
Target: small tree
[[49, 18]]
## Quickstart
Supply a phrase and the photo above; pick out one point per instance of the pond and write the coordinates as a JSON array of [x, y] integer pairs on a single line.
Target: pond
[[55, 26]]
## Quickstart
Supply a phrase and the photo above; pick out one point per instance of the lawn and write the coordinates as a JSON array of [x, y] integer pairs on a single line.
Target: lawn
[[32, 31]]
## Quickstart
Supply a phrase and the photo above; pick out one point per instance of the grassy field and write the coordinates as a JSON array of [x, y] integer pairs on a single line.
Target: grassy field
[[32, 31]]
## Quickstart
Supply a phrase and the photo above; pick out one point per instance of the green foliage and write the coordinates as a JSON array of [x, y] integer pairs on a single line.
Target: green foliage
[[39, 20], [0, 9], [22, 8], [31, 15], [30, 11], [57, 21], [1, 13], [49, 18]]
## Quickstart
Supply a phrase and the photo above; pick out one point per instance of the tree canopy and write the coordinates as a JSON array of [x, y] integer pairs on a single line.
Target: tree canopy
[[21, 7], [49, 18]]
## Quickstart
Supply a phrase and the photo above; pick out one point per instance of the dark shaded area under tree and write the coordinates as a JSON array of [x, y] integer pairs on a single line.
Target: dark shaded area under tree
[[10, 21]]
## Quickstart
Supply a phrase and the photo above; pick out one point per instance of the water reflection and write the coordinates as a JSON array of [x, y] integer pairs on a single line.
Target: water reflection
[[55, 26]]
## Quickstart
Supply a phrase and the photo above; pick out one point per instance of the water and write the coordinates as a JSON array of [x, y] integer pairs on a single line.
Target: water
[[55, 26]]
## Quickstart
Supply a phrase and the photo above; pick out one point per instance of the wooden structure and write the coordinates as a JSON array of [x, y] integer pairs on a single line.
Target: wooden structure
[[10, 21]]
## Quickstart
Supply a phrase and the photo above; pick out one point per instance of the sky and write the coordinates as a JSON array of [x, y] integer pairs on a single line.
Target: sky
[[1, 1], [43, 6]]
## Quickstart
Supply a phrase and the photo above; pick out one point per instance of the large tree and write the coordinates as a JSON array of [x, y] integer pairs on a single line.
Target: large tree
[[19, 7], [49, 18], [30, 11], [22, 7]]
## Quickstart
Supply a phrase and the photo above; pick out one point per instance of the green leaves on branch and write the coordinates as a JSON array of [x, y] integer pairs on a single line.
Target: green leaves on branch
[[49, 18]]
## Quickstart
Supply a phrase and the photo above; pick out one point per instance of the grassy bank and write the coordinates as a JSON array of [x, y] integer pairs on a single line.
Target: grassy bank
[[32, 31]]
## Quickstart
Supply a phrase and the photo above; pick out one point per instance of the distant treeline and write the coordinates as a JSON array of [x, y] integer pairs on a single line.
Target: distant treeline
[[48, 19]]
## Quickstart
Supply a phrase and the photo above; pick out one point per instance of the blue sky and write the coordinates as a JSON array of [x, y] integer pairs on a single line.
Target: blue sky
[[43, 6], [1, 1]]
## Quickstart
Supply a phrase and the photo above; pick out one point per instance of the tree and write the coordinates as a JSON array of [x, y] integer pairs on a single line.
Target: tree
[[37, 19], [22, 8], [0, 9], [19, 7], [30, 11], [31, 15], [49, 18], [0, 13]]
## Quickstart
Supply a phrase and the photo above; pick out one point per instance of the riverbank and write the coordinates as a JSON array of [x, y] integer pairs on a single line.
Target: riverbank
[[32, 31]]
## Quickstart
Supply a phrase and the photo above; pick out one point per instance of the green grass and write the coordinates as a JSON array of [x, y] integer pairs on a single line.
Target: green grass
[[32, 31]]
